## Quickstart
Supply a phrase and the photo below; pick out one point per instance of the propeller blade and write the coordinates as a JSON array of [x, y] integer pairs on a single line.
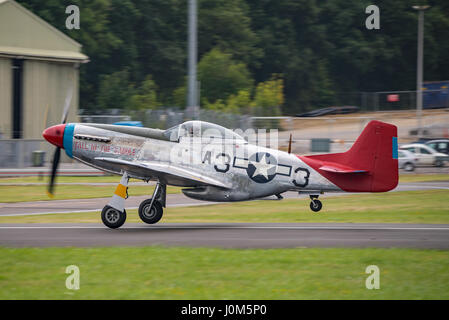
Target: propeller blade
[[54, 168], [68, 100]]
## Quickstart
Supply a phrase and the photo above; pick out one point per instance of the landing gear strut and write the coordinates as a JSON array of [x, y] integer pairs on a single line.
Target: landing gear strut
[[315, 204], [151, 210]]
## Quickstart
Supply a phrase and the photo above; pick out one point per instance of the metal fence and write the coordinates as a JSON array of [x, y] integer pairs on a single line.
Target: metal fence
[[17, 153], [393, 100], [164, 118]]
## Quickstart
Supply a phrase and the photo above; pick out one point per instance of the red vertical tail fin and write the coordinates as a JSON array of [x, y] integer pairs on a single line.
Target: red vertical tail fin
[[371, 165]]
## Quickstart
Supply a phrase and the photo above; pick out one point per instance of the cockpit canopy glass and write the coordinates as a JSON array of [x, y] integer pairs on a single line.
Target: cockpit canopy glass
[[200, 129]]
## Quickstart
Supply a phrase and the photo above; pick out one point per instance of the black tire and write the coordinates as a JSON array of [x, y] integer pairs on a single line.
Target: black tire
[[409, 166], [153, 216], [113, 218], [439, 163], [316, 205]]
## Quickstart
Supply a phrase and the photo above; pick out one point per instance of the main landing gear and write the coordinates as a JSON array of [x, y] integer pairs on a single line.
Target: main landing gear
[[315, 204], [113, 214], [151, 210]]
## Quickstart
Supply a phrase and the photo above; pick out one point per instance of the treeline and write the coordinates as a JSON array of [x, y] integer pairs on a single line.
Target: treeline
[[267, 54]]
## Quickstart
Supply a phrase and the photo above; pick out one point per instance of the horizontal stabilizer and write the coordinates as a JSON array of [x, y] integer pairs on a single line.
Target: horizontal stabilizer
[[338, 168]]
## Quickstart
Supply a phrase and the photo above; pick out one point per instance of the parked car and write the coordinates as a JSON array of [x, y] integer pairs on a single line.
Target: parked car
[[406, 160], [425, 155], [440, 145], [329, 111]]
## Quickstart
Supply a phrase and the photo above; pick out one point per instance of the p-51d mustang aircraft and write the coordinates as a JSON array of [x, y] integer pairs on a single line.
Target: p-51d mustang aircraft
[[214, 163]]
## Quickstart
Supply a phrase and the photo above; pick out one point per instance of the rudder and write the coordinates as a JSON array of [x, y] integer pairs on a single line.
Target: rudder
[[371, 165]]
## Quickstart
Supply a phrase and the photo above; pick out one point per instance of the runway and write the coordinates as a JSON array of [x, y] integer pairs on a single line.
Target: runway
[[173, 200], [235, 235]]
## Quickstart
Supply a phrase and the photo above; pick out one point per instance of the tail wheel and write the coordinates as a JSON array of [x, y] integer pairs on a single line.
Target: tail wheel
[[112, 217], [150, 214], [316, 205]]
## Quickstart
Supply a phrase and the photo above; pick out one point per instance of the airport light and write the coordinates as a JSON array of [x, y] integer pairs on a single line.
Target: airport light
[[419, 69], [192, 101]]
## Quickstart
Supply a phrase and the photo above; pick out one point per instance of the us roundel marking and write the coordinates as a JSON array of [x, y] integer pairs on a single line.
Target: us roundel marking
[[261, 167]]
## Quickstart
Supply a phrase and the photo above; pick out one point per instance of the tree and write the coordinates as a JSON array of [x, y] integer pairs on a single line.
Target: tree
[[294, 44], [180, 96], [114, 91], [269, 97], [226, 25], [221, 76], [217, 105], [160, 33], [267, 100], [240, 102], [145, 96], [322, 48]]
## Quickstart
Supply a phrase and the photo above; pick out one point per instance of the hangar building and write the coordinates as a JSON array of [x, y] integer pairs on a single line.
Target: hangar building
[[39, 66]]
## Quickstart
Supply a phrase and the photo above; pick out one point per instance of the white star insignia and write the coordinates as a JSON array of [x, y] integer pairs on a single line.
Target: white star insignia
[[262, 167]]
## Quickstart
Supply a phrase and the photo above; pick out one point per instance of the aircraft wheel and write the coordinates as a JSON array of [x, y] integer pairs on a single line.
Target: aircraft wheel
[[113, 218], [150, 215], [316, 205], [409, 166]]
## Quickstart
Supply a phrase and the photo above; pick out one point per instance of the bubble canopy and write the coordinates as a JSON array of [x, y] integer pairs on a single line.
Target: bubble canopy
[[200, 129]]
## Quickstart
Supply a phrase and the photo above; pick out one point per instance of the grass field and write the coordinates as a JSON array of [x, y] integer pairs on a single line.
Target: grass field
[[414, 177], [428, 206], [201, 273], [20, 193]]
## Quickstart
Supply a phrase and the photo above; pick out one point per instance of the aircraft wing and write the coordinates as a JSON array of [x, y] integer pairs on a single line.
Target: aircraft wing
[[165, 171]]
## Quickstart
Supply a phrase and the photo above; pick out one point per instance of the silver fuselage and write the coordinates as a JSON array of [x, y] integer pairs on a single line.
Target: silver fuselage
[[250, 171]]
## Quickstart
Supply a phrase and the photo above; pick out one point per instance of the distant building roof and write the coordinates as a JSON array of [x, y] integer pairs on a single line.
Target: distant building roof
[[24, 34]]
